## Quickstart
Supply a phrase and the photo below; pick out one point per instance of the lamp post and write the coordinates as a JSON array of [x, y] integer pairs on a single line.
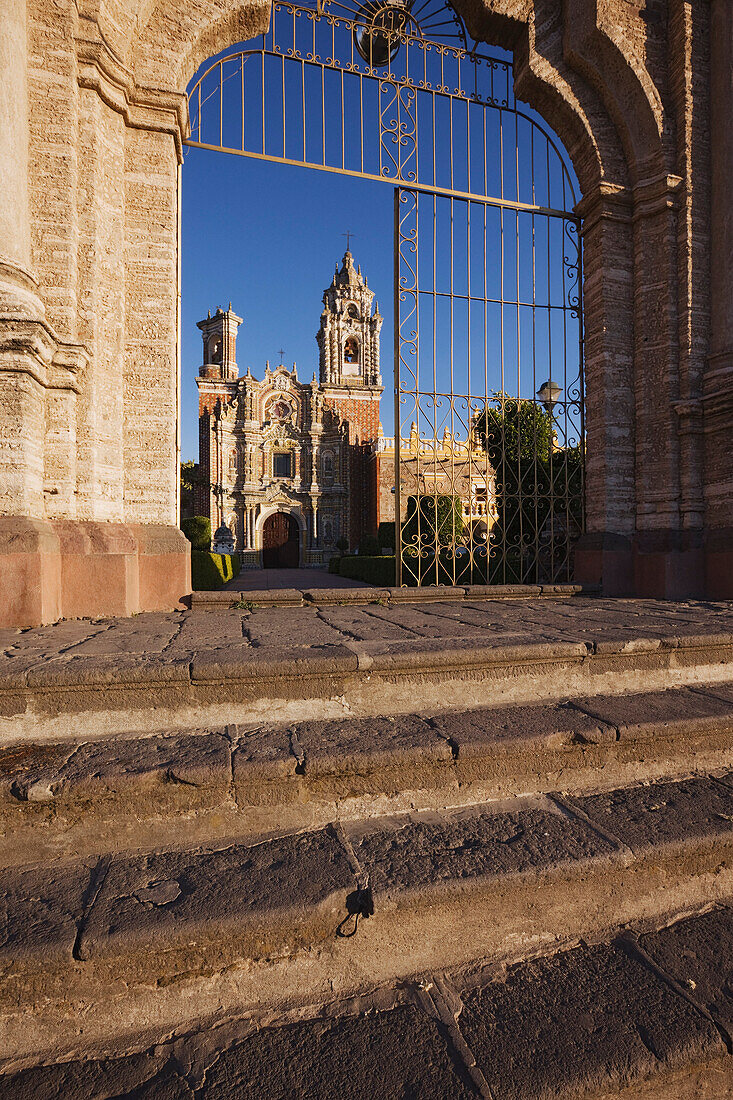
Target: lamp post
[[548, 394]]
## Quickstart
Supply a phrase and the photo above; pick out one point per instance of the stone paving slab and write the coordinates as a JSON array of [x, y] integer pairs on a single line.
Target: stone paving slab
[[597, 1019], [645, 817], [381, 756], [427, 851], [578, 1021], [381, 1056], [655, 714], [68, 797], [272, 661], [240, 902], [698, 953], [40, 909], [120, 767], [298, 627]]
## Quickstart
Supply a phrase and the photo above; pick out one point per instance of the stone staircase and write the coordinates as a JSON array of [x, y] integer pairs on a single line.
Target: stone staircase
[[521, 891]]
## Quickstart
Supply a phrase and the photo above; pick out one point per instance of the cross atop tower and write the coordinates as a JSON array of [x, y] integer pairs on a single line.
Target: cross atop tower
[[281, 353], [348, 234]]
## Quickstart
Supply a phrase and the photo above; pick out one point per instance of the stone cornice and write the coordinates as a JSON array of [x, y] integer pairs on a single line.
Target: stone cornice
[[690, 414], [655, 195], [32, 348], [101, 70], [607, 201], [718, 408]]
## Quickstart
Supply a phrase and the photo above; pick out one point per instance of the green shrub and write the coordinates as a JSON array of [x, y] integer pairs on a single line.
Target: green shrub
[[334, 565], [386, 535], [342, 546], [210, 572], [377, 570], [369, 547], [197, 530]]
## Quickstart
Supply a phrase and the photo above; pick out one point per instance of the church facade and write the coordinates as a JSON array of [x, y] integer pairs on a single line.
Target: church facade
[[290, 466]]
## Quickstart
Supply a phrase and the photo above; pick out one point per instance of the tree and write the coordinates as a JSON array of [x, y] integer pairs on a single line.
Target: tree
[[538, 489], [190, 476], [515, 432]]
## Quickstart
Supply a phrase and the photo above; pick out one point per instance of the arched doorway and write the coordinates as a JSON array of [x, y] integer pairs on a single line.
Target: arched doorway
[[487, 274], [280, 542]]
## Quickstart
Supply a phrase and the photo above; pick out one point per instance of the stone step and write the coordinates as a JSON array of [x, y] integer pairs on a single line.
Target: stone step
[[248, 666], [645, 1013], [363, 594], [94, 951], [190, 787]]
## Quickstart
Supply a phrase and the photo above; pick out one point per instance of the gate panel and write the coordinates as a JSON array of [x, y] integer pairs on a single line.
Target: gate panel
[[488, 392], [489, 441]]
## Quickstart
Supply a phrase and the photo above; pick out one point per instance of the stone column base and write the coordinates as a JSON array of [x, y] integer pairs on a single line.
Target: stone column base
[[719, 564], [63, 569], [605, 559], [662, 565]]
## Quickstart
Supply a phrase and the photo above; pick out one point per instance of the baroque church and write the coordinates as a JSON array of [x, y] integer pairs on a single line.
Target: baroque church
[[290, 466]]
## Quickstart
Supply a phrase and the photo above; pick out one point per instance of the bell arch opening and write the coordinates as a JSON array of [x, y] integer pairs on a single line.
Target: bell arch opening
[[485, 440]]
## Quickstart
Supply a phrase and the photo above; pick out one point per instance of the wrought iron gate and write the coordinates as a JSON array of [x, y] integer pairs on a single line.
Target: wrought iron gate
[[489, 438]]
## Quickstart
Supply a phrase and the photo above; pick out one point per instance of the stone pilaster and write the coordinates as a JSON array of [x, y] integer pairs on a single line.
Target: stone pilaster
[[717, 395], [605, 554]]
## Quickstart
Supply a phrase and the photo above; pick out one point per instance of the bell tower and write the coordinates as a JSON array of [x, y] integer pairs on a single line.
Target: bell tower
[[348, 338], [220, 345]]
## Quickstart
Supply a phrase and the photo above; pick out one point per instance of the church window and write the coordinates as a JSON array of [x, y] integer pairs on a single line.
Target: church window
[[215, 350], [328, 468], [353, 311], [328, 534], [351, 350], [282, 464]]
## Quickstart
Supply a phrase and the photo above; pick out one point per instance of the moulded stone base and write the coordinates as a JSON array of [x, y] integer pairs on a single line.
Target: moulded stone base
[[605, 559], [670, 574], [719, 565], [648, 566], [63, 569]]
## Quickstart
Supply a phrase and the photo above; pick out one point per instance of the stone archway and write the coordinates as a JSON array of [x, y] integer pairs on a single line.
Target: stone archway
[[89, 286]]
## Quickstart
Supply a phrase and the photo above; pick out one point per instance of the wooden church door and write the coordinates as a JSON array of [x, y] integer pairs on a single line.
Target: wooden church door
[[280, 542]]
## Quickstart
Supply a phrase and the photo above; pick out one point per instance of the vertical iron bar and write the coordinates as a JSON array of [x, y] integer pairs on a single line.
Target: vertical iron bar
[[397, 425]]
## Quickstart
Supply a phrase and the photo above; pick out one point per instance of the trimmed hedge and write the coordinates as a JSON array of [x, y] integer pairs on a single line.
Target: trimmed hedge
[[210, 572], [334, 565], [378, 570], [197, 530], [369, 547]]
